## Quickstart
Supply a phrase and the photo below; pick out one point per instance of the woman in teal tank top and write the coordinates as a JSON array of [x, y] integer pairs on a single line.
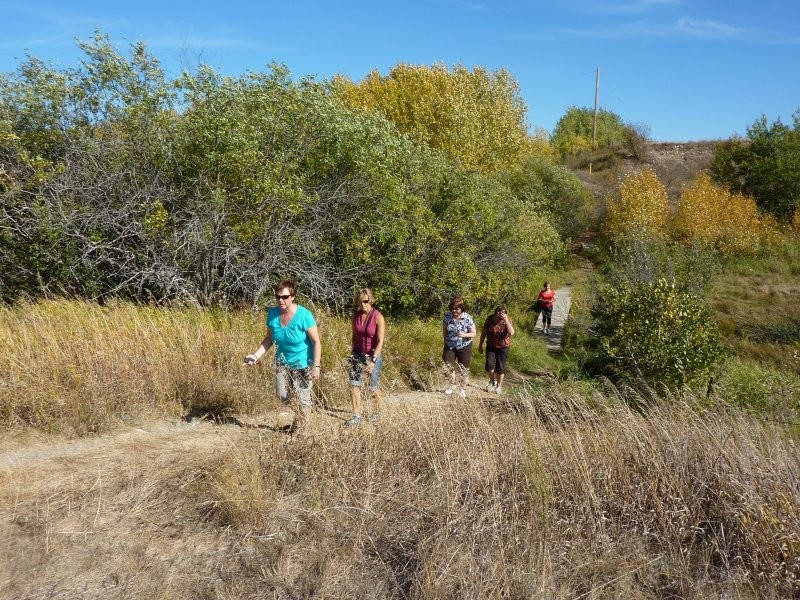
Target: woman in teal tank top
[[293, 331]]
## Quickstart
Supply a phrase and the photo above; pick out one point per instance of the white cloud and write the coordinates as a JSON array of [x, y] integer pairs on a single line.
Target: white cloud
[[706, 29]]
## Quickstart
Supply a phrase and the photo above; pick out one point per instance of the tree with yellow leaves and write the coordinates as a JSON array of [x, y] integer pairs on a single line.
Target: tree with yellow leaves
[[711, 214], [476, 116], [640, 206]]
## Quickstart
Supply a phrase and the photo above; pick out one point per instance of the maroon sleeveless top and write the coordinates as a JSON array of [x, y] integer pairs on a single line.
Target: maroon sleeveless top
[[365, 334]]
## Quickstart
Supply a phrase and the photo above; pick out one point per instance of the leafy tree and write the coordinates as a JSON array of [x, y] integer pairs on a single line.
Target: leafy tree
[[552, 192], [765, 165], [477, 117], [656, 332], [573, 132], [115, 181], [640, 207], [710, 214]]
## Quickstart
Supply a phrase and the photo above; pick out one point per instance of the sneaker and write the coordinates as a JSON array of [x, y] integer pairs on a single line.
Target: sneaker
[[498, 390], [462, 392], [491, 386], [450, 389], [354, 420]]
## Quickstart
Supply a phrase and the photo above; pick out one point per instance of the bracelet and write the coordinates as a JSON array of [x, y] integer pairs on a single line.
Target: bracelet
[[317, 366]]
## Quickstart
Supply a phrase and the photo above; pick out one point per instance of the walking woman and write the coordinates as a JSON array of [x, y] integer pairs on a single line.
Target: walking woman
[[298, 352], [547, 298], [458, 330], [369, 328], [497, 331]]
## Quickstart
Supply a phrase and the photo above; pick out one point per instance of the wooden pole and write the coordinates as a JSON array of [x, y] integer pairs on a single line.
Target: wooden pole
[[594, 122]]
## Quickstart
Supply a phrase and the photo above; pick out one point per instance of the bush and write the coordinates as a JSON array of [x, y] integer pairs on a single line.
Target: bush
[[639, 207], [761, 388], [713, 215], [766, 165], [642, 259], [656, 332], [573, 132], [552, 191]]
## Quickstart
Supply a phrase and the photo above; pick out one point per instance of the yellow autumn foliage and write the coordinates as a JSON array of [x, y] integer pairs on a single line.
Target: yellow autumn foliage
[[640, 206], [713, 215], [477, 116]]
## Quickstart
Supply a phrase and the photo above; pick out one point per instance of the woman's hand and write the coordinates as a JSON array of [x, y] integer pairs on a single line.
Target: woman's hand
[[250, 360]]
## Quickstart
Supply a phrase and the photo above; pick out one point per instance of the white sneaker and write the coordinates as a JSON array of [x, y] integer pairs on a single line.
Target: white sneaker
[[491, 386], [450, 389], [462, 392], [498, 390]]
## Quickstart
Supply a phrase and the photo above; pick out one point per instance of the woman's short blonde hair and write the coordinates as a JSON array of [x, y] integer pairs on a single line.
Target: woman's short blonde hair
[[363, 294]]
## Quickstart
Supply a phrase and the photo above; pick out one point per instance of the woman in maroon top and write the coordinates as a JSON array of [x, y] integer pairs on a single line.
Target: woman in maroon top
[[497, 332], [369, 328]]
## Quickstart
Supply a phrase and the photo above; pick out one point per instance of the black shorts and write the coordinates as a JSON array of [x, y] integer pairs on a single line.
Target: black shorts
[[496, 359], [462, 355]]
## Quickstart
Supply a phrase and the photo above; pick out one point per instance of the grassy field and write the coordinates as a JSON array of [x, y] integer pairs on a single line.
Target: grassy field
[[560, 490]]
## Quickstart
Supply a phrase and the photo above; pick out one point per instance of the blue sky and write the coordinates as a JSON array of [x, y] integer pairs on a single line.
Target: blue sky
[[688, 69]]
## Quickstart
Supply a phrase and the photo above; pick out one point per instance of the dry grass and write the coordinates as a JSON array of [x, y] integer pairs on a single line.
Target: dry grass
[[551, 500], [550, 496], [564, 492], [77, 368]]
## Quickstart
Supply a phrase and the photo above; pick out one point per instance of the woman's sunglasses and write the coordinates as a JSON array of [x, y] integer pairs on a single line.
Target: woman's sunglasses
[[282, 296]]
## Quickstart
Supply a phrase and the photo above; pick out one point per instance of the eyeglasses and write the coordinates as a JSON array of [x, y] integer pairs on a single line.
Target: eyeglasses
[[365, 302], [282, 296]]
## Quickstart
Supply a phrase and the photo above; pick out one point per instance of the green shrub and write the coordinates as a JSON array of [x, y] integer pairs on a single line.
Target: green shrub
[[656, 332], [766, 165], [761, 388]]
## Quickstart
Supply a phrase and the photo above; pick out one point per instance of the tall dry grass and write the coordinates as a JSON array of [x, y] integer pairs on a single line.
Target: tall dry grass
[[554, 496], [75, 368]]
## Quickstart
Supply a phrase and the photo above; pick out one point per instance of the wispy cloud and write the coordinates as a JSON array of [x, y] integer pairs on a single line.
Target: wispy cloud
[[626, 6], [707, 29], [682, 28]]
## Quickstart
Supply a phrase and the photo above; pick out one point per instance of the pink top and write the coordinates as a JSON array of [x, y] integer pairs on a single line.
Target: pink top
[[365, 332]]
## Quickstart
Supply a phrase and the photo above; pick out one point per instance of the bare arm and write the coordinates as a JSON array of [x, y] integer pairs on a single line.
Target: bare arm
[[469, 334], [509, 325], [261, 350], [379, 334], [483, 338], [381, 323], [313, 333]]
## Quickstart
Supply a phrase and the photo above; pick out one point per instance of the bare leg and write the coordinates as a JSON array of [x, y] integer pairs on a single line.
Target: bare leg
[[355, 397]]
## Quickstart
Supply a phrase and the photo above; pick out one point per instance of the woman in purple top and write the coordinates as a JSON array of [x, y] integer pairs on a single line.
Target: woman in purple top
[[458, 330], [369, 328]]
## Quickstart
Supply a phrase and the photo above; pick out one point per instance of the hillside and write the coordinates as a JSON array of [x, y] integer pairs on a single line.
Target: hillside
[[675, 164]]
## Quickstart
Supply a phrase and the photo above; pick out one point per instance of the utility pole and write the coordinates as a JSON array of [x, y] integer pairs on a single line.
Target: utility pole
[[594, 121]]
